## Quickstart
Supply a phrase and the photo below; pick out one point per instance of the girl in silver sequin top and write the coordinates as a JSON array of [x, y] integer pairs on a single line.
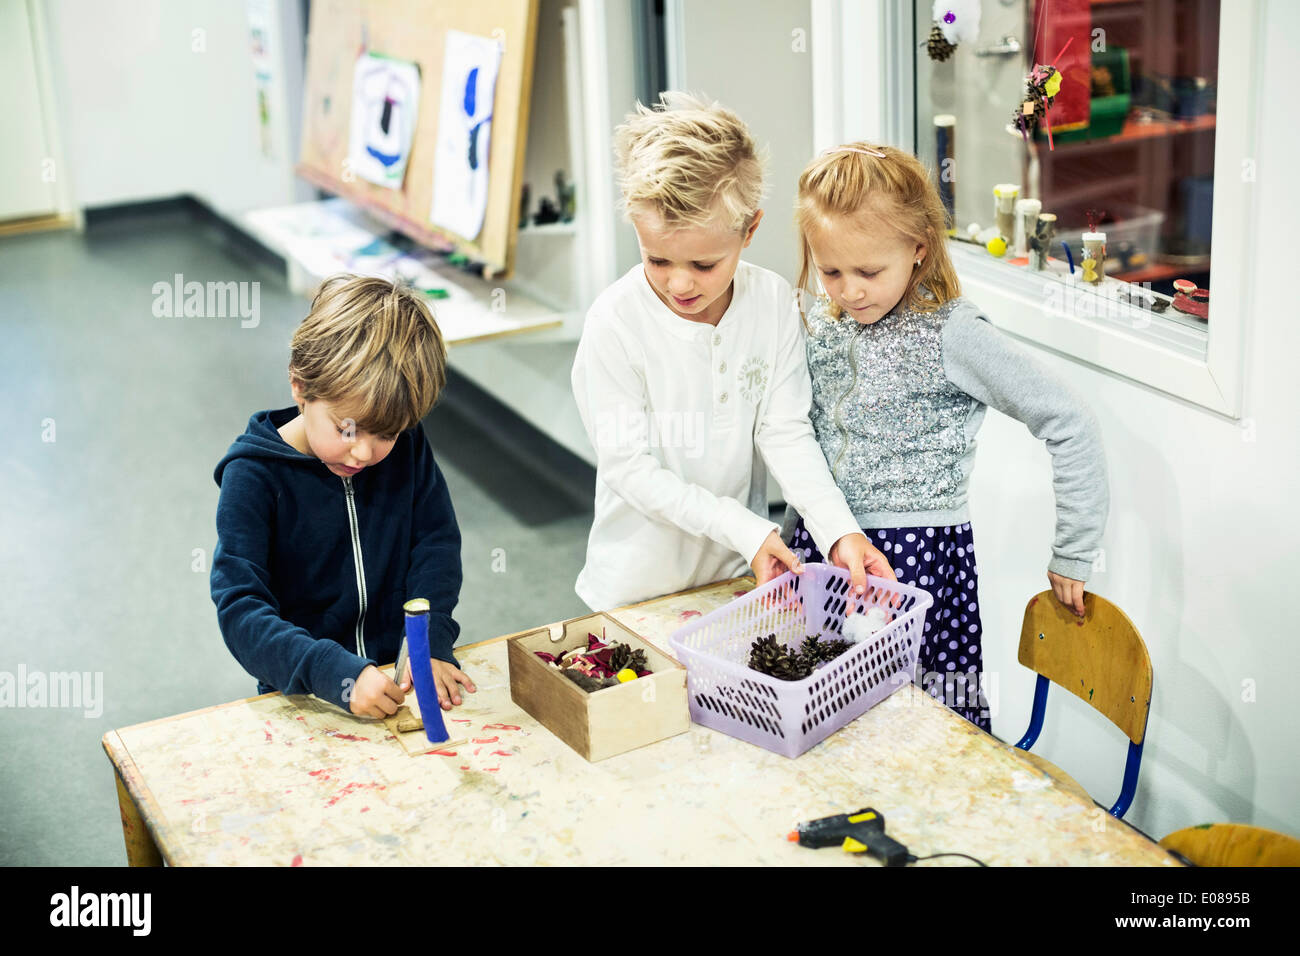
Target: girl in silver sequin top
[[903, 368]]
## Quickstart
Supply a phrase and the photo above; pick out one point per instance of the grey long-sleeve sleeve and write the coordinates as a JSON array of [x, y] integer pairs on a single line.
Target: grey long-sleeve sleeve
[[992, 369]]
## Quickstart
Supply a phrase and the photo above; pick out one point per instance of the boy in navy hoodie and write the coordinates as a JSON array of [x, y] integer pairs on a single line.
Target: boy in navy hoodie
[[333, 514]]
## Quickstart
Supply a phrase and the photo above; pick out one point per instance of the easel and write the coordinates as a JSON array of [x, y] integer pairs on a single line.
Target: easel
[[416, 31]]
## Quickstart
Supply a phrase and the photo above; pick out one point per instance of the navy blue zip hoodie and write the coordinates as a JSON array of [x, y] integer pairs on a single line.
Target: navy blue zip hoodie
[[311, 570]]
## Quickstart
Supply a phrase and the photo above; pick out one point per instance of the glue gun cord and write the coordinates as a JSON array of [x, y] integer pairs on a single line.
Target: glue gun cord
[[917, 859]]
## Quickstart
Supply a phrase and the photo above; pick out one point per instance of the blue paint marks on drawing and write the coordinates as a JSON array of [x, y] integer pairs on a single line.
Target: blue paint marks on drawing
[[471, 90]]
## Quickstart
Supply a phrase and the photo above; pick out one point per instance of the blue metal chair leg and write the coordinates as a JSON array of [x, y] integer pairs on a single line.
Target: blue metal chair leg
[[1036, 716], [1131, 768]]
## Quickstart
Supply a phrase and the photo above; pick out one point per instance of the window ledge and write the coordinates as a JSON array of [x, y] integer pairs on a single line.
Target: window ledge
[[1091, 325], [1064, 295]]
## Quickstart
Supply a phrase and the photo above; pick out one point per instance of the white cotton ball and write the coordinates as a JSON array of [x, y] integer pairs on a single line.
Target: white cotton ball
[[855, 628], [973, 230], [859, 627], [964, 25]]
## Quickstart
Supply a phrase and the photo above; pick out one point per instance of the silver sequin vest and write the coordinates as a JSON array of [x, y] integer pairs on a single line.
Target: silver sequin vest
[[896, 432]]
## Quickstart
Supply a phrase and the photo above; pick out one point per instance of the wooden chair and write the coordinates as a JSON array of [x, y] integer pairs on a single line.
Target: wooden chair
[[1233, 844], [1101, 659]]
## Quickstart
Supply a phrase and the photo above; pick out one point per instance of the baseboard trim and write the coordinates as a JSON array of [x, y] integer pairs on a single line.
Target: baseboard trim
[[20, 227], [236, 240]]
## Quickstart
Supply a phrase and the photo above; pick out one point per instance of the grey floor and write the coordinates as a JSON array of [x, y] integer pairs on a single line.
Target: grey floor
[[106, 531]]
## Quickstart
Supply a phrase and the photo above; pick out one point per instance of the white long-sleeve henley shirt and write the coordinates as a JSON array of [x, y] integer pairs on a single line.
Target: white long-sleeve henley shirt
[[683, 415]]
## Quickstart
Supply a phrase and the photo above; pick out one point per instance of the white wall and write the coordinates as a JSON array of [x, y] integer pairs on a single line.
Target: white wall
[[26, 187], [144, 114], [748, 55], [1199, 550]]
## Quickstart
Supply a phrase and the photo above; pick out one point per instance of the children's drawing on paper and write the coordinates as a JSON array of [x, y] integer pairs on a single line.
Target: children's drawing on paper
[[460, 173], [260, 42], [385, 102]]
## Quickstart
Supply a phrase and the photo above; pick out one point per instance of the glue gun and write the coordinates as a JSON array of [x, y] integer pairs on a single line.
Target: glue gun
[[859, 832]]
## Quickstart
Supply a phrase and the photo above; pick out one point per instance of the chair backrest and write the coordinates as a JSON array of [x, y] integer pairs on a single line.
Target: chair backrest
[[1099, 658], [1234, 844]]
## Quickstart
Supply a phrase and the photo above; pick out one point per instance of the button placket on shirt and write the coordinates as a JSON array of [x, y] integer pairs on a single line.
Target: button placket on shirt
[[722, 396], [717, 341]]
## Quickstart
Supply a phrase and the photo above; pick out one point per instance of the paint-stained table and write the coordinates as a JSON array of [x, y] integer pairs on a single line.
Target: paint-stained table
[[294, 781]]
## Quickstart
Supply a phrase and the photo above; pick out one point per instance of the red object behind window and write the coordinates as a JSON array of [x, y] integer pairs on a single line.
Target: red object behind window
[[1072, 107]]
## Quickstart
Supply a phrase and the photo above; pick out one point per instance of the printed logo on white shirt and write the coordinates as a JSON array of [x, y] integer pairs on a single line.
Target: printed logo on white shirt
[[753, 379]]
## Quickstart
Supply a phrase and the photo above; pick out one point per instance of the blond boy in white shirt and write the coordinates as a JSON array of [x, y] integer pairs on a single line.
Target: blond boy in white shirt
[[691, 375]]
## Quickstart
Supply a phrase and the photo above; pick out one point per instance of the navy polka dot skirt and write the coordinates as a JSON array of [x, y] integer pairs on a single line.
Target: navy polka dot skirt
[[942, 561]]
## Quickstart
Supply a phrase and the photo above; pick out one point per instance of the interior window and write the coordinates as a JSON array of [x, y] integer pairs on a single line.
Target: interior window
[[1075, 138]]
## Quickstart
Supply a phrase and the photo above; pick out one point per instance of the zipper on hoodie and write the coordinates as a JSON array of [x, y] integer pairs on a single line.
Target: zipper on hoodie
[[360, 567]]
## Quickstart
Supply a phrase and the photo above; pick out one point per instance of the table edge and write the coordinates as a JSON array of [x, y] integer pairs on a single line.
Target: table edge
[[119, 755]]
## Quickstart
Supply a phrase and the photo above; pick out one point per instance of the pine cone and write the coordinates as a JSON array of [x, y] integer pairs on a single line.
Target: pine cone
[[790, 667], [810, 652], [1036, 94], [814, 651], [938, 46], [622, 656], [769, 657], [833, 649], [764, 653]]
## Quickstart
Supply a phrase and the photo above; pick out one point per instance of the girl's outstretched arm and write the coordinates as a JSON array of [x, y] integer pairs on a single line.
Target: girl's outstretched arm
[[992, 369]]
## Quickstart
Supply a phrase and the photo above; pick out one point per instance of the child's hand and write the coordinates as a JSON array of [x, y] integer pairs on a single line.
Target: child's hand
[[374, 695], [860, 557], [1068, 591], [773, 560], [446, 678]]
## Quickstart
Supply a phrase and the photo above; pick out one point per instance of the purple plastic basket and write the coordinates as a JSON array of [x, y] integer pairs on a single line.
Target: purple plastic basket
[[788, 717]]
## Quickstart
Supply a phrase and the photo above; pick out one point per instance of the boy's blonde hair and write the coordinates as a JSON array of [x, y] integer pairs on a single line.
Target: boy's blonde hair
[[897, 190], [689, 160], [373, 347]]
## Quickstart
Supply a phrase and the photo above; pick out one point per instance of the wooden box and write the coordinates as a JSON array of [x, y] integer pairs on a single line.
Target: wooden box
[[606, 722]]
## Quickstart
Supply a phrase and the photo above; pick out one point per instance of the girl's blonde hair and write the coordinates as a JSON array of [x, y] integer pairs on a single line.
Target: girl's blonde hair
[[689, 159], [374, 347], [895, 188]]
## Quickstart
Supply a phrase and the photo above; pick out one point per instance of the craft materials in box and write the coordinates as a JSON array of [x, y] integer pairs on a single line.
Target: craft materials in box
[[604, 721], [599, 665]]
